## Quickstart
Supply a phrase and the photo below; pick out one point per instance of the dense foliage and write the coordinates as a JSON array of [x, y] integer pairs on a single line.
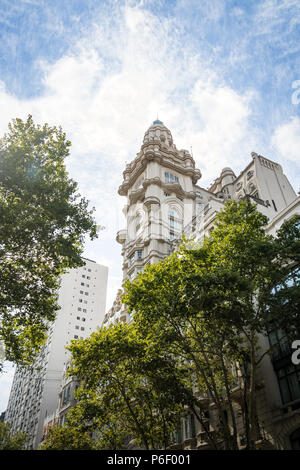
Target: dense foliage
[[199, 318], [43, 224], [9, 441]]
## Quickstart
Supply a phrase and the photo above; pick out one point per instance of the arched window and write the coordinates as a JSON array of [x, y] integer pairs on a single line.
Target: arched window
[[175, 224], [251, 187], [138, 223], [139, 184]]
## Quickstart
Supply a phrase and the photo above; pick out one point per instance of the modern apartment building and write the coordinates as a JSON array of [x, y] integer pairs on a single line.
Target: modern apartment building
[[165, 200], [35, 391]]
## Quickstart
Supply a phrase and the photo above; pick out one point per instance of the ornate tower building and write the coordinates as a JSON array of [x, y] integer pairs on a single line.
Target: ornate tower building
[[164, 201], [162, 197]]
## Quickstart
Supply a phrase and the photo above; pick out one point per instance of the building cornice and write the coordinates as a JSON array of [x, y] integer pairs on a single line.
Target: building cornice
[[156, 152]]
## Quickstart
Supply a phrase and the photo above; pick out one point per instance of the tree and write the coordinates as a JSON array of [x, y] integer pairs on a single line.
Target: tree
[[120, 396], [67, 438], [8, 441], [211, 304], [43, 224]]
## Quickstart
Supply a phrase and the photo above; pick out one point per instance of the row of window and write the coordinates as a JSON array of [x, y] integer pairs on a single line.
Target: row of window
[[138, 254], [175, 224], [81, 327], [133, 273], [170, 178], [85, 293]]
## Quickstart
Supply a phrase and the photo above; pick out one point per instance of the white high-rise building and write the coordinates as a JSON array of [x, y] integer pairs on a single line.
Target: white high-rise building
[[35, 390]]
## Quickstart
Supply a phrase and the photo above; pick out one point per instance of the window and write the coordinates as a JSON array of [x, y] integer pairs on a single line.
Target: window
[[138, 223], [83, 275], [89, 270], [88, 277], [80, 300], [76, 327], [79, 309], [199, 208], [280, 344], [170, 178], [295, 439], [83, 319], [81, 292], [84, 310], [75, 336], [238, 186], [78, 318], [82, 328], [175, 224], [172, 235], [139, 183], [86, 293], [289, 382], [250, 174], [189, 427], [66, 395], [139, 254], [288, 374], [131, 259]]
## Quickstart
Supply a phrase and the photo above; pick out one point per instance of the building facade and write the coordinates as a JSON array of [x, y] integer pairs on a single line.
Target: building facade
[[165, 200], [35, 391]]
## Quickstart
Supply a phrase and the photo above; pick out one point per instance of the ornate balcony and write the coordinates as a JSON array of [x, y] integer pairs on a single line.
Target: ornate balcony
[[121, 236]]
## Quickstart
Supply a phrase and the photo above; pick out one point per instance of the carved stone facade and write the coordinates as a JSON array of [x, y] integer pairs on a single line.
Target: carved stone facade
[[164, 200]]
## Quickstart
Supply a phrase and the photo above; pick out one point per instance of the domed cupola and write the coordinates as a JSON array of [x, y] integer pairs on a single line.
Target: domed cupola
[[159, 132]]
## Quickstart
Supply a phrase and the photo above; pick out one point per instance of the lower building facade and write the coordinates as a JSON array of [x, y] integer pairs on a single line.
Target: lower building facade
[[164, 201]]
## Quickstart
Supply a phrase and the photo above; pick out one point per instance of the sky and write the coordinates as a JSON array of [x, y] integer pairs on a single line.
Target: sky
[[223, 76]]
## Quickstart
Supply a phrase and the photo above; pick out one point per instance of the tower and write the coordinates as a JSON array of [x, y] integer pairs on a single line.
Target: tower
[[159, 185], [164, 200]]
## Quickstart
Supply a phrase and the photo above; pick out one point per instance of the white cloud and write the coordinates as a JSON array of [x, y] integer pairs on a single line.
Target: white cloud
[[108, 89], [127, 66], [286, 140]]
